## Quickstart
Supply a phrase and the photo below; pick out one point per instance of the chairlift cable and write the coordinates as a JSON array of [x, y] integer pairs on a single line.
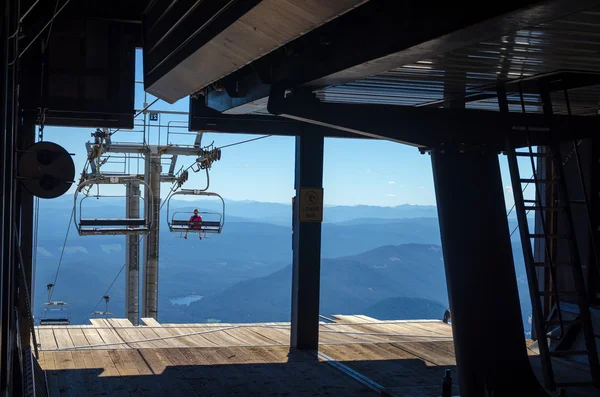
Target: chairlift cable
[[111, 284], [109, 287], [246, 141], [62, 253], [64, 243]]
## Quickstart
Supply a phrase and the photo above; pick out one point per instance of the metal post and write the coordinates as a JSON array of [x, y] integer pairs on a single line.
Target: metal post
[[132, 255], [306, 247], [152, 209], [480, 274], [8, 117], [26, 138], [4, 293]]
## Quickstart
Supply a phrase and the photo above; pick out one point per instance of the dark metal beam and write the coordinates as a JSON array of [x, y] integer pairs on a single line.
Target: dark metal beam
[[306, 275], [427, 127], [203, 118]]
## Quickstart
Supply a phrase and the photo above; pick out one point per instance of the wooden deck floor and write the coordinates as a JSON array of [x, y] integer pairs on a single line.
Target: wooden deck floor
[[114, 358], [105, 334]]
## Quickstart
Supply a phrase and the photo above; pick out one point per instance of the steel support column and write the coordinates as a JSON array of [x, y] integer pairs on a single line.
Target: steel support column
[[4, 292], [307, 248], [9, 369], [25, 139], [488, 332], [132, 255], [152, 209]]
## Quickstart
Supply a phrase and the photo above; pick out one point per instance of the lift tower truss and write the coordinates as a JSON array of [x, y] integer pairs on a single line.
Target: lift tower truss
[[98, 154]]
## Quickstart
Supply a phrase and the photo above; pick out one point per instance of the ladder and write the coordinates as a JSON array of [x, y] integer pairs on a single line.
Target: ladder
[[558, 210]]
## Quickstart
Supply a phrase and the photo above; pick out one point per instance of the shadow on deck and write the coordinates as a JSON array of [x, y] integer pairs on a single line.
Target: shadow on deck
[[233, 372]]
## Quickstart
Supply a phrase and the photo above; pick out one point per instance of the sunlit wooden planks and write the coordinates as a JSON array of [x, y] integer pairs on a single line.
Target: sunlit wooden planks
[[116, 333]]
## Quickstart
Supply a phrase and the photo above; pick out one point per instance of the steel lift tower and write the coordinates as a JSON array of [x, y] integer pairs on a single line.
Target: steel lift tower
[[133, 227]]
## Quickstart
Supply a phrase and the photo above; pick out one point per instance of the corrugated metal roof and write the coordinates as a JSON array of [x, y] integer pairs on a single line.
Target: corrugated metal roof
[[570, 43]]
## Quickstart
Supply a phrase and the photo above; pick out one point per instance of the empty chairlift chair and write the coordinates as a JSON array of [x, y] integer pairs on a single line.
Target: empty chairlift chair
[[55, 313], [212, 221], [87, 226]]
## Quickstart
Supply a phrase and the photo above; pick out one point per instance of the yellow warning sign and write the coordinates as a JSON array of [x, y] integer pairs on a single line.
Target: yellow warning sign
[[311, 204]]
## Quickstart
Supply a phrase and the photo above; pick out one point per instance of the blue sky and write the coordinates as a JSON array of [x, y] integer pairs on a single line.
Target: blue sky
[[356, 172]]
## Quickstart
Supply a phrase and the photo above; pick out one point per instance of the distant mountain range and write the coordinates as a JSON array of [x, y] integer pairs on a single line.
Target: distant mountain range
[[348, 285], [377, 260], [253, 210], [389, 282]]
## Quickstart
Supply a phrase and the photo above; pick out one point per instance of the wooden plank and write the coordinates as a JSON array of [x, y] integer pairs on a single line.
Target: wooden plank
[[164, 332], [347, 319], [113, 384], [382, 365], [367, 318], [123, 333], [417, 391], [198, 339], [149, 321], [63, 339], [46, 338], [89, 381], [278, 335], [205, 379], [433, 328], [382, 332], [253, 338], [93, 338], [64, 360], [99, 322], [185, 341], [110, 337], [77, 336], [135, 334], [123, 362], [124, 322], [48, 362], [71, 379], [150, 333], [176, 382], [439, 353]]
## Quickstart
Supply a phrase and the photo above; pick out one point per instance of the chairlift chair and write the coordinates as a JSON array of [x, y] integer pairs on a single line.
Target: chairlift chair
[[109, 226], [212, 222], [105, 313], [55, 313]]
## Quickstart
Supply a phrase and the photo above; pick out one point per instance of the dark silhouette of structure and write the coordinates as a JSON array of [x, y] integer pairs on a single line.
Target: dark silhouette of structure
[[462, 83]]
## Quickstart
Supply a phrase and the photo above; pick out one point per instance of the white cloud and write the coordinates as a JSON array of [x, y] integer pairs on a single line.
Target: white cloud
[[391, 195], [74, 249], [391, 182], [247, 166], [111, 247], [43, 251], [421, 187], [509, 188]]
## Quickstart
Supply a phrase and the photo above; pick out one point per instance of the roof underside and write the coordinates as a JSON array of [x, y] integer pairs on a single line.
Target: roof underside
[[570, 43], [264, 28]]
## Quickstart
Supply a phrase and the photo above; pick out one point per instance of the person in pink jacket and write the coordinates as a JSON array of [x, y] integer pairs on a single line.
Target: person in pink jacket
[[195, 218]]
